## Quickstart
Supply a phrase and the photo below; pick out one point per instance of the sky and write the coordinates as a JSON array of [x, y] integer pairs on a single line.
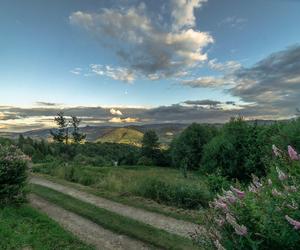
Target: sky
[[132, 61]]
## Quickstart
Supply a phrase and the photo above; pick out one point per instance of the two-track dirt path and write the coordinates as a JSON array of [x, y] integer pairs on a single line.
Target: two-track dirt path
[[85, 229], [171, 225]]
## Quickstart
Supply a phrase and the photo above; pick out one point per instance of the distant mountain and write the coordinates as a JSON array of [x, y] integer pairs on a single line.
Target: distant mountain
[[131, 134]]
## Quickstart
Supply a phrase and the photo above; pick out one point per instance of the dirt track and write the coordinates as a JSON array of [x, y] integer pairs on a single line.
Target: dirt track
[[179, 227], [86, 230]]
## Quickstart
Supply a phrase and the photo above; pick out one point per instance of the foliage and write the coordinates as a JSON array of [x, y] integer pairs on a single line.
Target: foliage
[[238, 151], [61, 134], [175, 194], [187, 148], [13, 166], [266, 216]]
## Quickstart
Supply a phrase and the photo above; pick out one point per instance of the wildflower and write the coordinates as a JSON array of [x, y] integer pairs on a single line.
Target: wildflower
[[256, 181], [292, 153], [238, 192], [218, 245], [253, 188], [276, 193], [270, 182], [276, 151], [293, 222], [281, 175], [241, 230], [220, 205], [293, 206], [220, 221], [292, 189]]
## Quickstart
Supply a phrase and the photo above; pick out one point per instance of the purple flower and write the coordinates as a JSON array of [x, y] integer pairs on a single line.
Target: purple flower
[[218, 245], [281, 175], [238, 192], [275, 192], [276, 151], [292, 153], [241, 230], [293, 222]]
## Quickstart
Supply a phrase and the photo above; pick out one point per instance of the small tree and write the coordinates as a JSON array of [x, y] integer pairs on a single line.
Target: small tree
[[77, 136], [62, 134], [150, 144]]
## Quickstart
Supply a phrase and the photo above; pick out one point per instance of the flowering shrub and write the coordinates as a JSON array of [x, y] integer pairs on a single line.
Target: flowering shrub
[[13, 165], [265, 215]]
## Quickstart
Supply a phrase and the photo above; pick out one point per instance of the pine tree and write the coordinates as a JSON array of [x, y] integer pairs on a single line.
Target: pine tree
[[77, 136], [62, 133]]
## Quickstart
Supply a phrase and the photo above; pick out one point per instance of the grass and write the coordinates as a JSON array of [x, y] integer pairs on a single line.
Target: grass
[[25, 228], [140, 187], [115, 222]]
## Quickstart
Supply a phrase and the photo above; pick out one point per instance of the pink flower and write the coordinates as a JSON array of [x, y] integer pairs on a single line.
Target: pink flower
[[238, 192], [292, 153], [241, 230], [218, 245], [276, 151], [293, 222], [281, 175], [275, 192]]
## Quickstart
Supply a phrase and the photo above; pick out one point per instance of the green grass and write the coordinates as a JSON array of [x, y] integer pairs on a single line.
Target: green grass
[[128, 185], [25, 228], [115, 222]]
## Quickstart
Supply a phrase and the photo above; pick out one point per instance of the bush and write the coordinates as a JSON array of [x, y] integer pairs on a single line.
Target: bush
[[239, 151], [174, 194], [13, 166], [266, 216], [188, 146], [145, 161]]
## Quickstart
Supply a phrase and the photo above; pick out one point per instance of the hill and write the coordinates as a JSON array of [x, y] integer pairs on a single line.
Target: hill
[[123, 135]]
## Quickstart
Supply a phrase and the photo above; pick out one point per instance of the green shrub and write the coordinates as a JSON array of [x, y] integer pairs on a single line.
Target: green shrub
[[238, 151], [145, 161], [266, 216], [187, 148], [13, 166], [175, 194]]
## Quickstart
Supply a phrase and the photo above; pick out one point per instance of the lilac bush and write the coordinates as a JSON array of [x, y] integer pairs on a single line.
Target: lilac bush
[[13, 166], [263, 215]]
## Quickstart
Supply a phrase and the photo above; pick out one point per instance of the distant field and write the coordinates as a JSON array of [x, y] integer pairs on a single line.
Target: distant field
[[25, 228]]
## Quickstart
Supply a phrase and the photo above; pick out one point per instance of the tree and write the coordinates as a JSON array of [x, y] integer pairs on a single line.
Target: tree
[[62, 134], [150, 144], [186, 149], [77, 136]]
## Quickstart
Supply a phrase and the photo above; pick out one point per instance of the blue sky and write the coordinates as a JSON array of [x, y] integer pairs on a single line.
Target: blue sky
[[144, 54]]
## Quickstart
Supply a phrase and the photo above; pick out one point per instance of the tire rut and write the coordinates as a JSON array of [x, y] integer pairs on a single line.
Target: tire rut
[[86, 230], [169, 224]]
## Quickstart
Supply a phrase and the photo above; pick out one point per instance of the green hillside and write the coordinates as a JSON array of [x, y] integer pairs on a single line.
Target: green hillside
[[123, 135]]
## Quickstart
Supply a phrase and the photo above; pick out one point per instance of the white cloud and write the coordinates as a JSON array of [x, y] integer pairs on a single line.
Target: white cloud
[[76, 71], [183, 12], [116, 73], [145, 46], [209, 82], [115, 112], [226, 67], [123, 120]]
